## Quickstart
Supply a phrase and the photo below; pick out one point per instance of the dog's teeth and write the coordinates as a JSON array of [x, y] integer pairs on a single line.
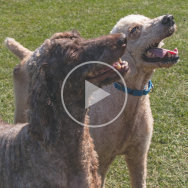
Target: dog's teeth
[[125, 63], [148, 53], [169, 55], [94, 73], [118, 66], [90, 74], [120, 61]]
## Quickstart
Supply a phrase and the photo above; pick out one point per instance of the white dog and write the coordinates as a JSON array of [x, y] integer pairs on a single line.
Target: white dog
[[131, 133]]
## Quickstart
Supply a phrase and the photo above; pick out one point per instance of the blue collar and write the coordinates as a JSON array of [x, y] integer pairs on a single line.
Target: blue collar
[[133, 92]]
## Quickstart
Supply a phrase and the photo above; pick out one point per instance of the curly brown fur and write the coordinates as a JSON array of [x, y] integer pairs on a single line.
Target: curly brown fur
[[52, 150]]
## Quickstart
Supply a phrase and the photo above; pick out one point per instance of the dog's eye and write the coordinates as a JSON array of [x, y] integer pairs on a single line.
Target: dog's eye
[[134, 29]]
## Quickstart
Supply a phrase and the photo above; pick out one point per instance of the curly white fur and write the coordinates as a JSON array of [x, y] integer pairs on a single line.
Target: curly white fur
[[131, 133]]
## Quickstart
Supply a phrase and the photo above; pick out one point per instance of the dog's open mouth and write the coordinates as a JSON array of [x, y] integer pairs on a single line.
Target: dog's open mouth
[[154, 54], [121, 66]]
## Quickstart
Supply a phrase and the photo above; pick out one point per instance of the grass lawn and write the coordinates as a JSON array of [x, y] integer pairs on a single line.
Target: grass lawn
[[30, 22]]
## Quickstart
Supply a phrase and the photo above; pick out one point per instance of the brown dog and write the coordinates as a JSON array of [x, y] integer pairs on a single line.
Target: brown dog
[[52, 150]]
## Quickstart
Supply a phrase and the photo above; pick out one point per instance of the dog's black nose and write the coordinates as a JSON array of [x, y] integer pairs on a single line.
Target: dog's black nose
[[168, 20], [122, 40]]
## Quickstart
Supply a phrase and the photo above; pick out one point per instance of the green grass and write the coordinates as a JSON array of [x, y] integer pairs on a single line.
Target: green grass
[[31, 22]]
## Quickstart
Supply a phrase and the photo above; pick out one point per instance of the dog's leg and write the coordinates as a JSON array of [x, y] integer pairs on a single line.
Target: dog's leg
[[137, 166], [136, 155], [136, 152], [103, 173], [103, 170]]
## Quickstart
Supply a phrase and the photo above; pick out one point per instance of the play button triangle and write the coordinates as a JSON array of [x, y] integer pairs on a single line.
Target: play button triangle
[[93, 94]]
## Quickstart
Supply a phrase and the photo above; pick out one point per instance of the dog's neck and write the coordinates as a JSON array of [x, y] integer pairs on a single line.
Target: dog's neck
[[73, 99], [73, 144], [78, 143], [140, 79]]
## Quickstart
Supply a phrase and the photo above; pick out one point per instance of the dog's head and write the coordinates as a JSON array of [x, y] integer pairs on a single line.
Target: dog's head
[[64, 51], [51, 62], [145, 39]]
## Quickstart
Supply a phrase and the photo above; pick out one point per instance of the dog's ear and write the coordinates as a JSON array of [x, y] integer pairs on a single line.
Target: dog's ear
[[132, 65], [43, 116]]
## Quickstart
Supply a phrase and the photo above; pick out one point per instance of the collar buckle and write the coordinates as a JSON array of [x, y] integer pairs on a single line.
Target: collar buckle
[[120, 86], [152, 89]]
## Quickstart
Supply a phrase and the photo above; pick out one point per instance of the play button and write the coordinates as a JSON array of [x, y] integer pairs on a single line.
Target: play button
[[94, 97], [93, 94]]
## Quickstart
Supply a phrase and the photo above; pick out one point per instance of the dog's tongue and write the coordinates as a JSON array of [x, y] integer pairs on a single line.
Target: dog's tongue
[[160, 52]]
